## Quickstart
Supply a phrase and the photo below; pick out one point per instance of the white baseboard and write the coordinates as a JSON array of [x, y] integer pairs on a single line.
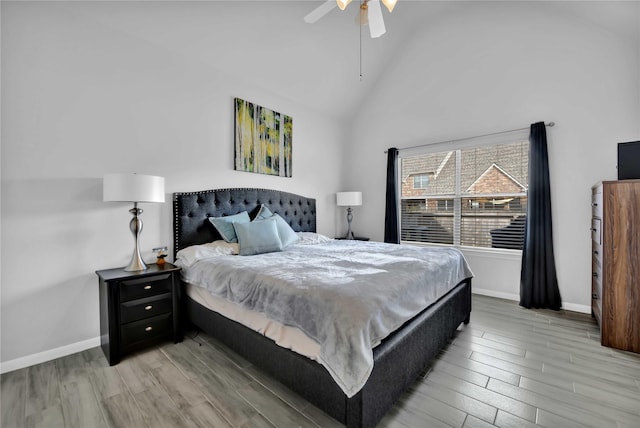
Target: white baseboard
[[497, 294], [573, 307], [52, 354]]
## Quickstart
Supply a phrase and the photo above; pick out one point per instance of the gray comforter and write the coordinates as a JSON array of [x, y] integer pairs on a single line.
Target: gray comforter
[[345, 295]]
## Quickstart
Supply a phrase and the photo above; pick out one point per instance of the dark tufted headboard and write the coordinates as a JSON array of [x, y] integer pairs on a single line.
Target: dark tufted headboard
[[191, 210]]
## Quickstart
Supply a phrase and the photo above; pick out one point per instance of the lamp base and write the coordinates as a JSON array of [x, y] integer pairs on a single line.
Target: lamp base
[[136, 263], [350, 234]]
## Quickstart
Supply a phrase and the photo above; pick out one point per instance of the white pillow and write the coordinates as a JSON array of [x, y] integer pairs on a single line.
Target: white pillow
[[188, 256], [312, 238]]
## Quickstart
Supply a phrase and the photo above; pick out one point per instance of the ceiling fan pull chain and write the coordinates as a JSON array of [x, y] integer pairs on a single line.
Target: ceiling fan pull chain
[[360, 30]]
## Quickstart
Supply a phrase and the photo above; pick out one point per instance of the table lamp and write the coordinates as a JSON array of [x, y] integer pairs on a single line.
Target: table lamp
[[349, 199], [134, 188]]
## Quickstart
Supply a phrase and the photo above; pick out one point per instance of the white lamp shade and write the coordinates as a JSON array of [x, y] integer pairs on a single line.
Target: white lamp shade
[[132, 188], [349, 199]]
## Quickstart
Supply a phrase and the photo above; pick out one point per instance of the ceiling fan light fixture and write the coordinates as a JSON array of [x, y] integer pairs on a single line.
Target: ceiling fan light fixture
[[342, 4], [390, 4], [363, 16]]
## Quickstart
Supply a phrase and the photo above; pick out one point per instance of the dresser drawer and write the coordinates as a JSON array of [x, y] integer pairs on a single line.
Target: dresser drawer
[[596, 202], [596, 296], [144, 287], [596, 231], [596, 257], [134, 310], [146, 329]]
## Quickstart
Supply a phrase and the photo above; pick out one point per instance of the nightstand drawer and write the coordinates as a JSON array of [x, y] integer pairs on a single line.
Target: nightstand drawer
[[147, 329], [134, 310], [144, 287]]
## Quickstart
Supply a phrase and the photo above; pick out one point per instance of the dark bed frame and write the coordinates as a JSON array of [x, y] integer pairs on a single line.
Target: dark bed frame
[[398, 360]]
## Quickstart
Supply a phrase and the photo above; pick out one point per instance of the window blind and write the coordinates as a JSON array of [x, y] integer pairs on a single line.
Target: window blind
[[475, 196]]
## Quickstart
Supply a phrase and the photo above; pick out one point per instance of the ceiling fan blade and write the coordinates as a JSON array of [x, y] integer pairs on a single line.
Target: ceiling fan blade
[[320, 11], [376, 22]]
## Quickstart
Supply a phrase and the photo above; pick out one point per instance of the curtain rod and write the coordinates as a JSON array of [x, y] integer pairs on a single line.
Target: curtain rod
[[550, 125]]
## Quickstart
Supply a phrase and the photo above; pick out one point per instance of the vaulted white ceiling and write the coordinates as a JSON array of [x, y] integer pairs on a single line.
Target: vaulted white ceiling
[[268, 44]]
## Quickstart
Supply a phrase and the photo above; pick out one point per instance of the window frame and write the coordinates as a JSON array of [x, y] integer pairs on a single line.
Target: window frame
[[422, 176], [458, 146]]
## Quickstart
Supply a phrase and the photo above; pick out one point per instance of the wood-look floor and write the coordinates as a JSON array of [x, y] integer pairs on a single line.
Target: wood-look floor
[[510, 367]]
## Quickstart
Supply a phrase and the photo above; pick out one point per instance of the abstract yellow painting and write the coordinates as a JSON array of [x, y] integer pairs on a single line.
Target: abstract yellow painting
[[263, 139]]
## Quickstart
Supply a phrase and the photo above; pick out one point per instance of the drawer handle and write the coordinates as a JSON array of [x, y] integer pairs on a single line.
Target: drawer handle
[[147, 287], [146, 308], [595, 204], [595, 274], [596, 252], [594, 296], [148, 328]]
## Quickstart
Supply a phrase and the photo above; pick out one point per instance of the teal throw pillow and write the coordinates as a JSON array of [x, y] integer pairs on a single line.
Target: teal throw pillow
[[224, 225], [258, 237], [263, 214], [287, 235]]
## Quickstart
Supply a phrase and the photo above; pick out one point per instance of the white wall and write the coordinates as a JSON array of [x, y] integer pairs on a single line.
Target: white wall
[[81, 99], [498, 66]]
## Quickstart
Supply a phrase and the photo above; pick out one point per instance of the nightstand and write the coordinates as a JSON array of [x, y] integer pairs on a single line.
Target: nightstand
[[138, 308]]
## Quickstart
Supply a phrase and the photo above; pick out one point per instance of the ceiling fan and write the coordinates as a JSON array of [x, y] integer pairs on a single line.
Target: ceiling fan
[[370, 13]]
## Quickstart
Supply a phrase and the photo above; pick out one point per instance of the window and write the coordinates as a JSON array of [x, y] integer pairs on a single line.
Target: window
[[477, 196], [420, 181], [445, 205]]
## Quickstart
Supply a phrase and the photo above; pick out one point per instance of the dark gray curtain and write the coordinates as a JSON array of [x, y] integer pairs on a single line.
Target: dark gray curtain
[[391, 210], [538, 281]]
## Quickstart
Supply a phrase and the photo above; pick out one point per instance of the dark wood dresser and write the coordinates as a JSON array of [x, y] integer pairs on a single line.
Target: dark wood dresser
[[138, 308], [615, 235]]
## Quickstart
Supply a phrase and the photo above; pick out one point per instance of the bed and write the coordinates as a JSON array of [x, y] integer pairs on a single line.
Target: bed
[[397, 360]]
